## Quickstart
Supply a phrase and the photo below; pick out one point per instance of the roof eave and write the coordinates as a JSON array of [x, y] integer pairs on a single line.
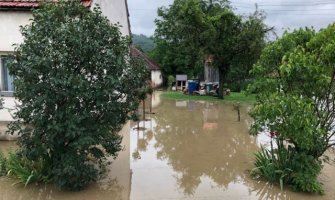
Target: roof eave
[[17, 6], [31, 5]]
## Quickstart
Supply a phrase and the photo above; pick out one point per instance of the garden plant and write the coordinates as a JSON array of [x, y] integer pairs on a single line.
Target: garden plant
[[295, 107], [77, 86]]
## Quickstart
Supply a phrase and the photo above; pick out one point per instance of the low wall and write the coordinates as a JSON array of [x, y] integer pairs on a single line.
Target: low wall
[[6, 117]]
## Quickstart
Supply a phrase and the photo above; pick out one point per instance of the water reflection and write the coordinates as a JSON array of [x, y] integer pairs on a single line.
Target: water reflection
[[143, 136], [207, 142], [188, 150], [199, 150], [210, 116], [33, 192]]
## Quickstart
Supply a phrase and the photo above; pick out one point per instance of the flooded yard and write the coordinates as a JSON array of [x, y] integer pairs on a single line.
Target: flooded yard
[[189, 150]]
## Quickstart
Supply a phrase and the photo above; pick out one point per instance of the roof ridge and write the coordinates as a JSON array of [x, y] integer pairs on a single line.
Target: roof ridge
[[146, 58], [26, 4]]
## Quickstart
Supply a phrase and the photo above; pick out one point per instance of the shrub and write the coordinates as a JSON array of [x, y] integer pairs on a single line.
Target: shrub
[[305, 175], [75, 179], [77, 87], [294, 81], [170, 80], [239, 85]]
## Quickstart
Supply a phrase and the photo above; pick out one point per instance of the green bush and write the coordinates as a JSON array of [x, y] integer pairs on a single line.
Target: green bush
[[294, 81], [78, 175], [305, 174], [77, 87], [170, 80], [239, 86]]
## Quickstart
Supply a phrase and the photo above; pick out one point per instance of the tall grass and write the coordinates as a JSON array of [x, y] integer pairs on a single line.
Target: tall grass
[[267, 166], [26, 171], [284, 166], [3, 164]]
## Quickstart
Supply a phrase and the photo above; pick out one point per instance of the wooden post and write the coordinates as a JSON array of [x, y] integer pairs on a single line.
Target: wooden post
[[144, 114]]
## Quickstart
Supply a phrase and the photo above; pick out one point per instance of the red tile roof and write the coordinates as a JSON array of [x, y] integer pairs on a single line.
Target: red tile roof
[[86, 3], [31, 3], [152, 65]]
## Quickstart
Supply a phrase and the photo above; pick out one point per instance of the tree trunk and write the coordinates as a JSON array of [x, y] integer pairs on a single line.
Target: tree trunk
[[222, 80], [150, 103]]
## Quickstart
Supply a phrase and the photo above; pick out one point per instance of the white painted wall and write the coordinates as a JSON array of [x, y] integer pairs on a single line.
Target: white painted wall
[[156, 78], [116, 12], [10, 23]]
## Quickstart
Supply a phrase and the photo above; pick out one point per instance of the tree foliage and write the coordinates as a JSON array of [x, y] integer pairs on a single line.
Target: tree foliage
[[188, 31], [77, 87], [179, 37], [295, 102], [251, 42]]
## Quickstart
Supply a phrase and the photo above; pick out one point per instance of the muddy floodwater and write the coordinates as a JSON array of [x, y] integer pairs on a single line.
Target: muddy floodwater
[[188, 150]]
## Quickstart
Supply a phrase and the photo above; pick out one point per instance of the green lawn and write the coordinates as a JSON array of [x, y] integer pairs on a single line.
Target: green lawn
[[234, 96]]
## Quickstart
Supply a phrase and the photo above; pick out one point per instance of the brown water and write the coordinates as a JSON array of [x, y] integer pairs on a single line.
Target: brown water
[[189, 150]]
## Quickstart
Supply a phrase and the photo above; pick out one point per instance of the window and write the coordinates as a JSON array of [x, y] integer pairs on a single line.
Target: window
[[7, 86]]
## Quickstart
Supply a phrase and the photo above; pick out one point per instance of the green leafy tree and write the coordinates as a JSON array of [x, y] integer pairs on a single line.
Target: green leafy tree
[[251, 42], [187, 31], [295, 99], [180, 37], [77, 87]]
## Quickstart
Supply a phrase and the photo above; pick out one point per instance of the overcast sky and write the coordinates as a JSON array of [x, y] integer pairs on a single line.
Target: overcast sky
[[282, 14]]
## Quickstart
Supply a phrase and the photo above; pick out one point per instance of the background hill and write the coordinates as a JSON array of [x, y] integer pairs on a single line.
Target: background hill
[[143, 42]]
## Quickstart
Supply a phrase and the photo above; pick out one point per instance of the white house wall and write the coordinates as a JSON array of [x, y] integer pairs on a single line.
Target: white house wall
[[156, 78], [10, 23], [116, 11]]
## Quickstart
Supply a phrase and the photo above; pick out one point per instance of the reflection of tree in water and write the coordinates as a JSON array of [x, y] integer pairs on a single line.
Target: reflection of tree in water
[[112, 188], [143, 139], [149, 135], [193, 152], [142, 143], [104, 189], [188, 183], [269, 191], [136, 154]]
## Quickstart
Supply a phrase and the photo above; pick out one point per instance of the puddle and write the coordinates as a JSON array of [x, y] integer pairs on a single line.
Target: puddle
[[188, 150]]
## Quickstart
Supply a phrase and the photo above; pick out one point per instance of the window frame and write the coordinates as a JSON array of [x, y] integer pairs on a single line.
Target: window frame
[[6, 93]]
